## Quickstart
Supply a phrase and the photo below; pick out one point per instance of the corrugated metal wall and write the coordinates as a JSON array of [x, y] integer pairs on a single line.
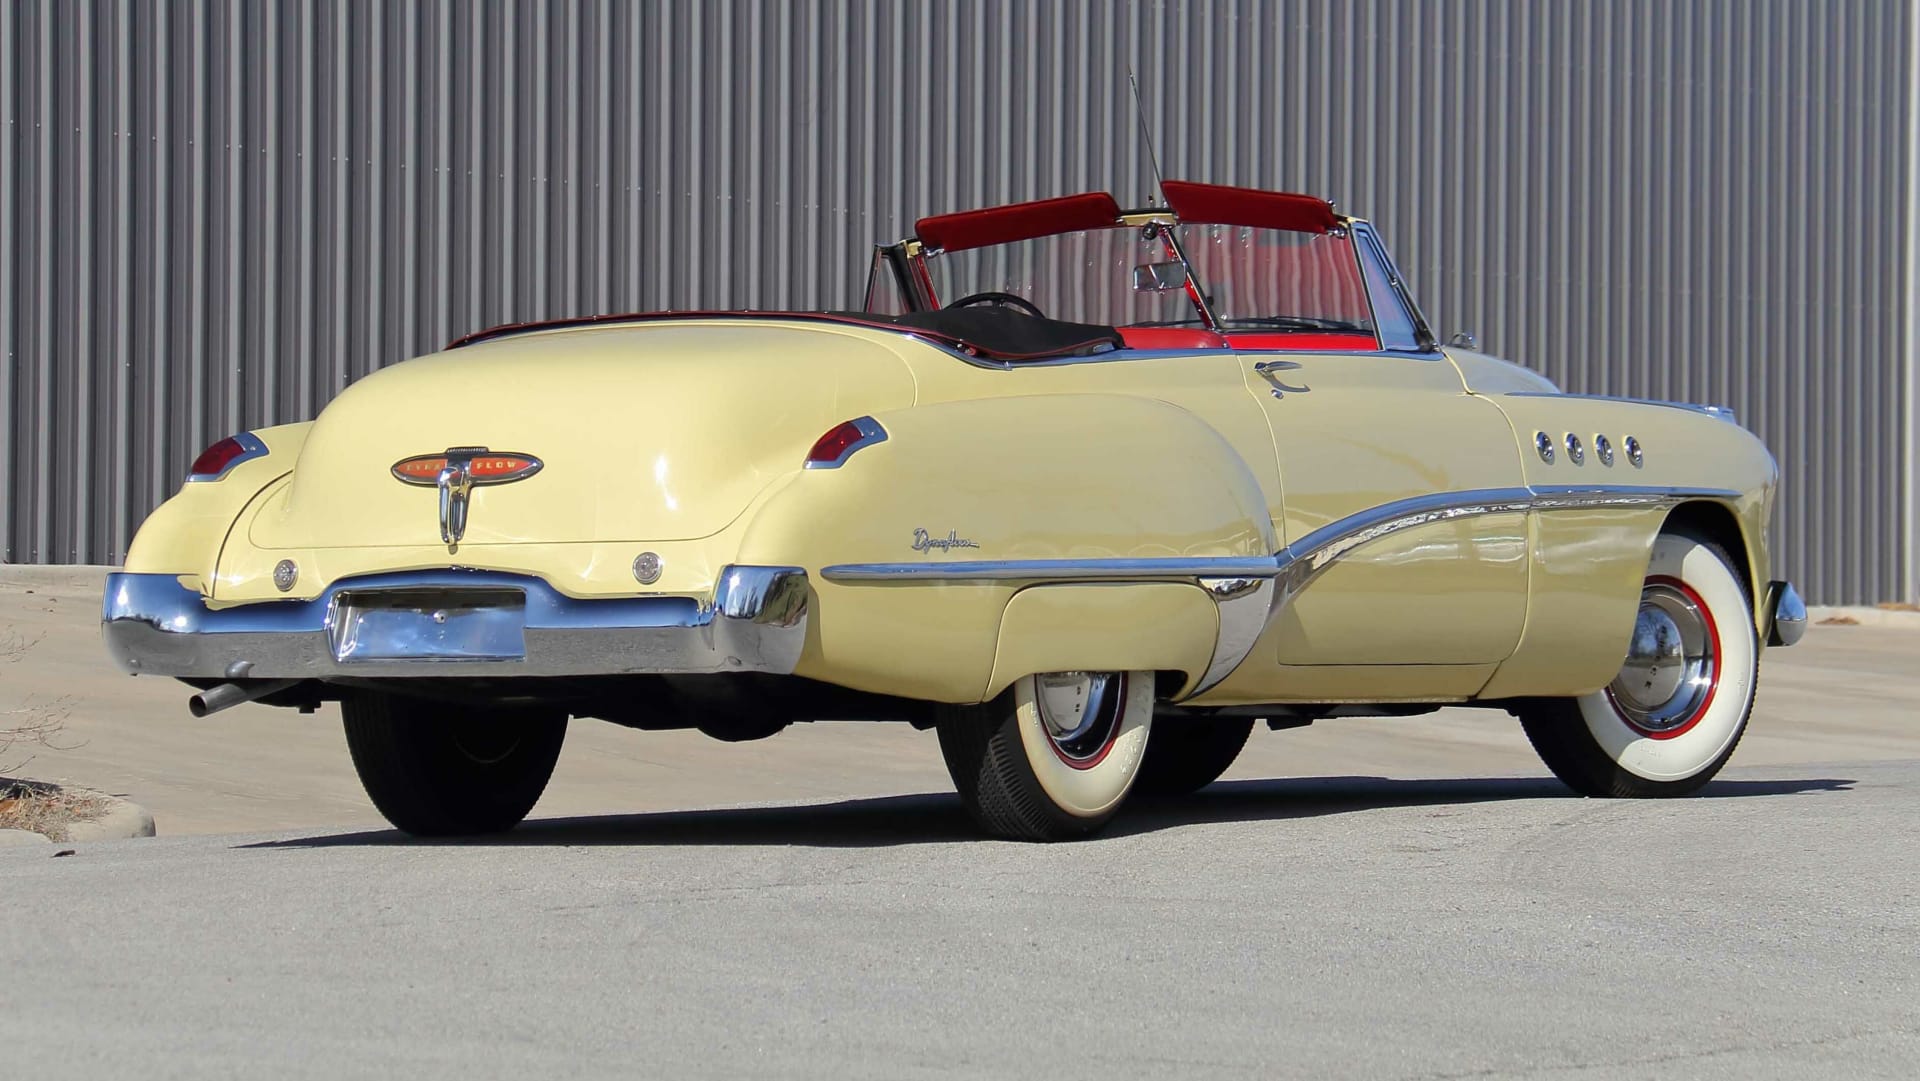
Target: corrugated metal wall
[[215, 215]]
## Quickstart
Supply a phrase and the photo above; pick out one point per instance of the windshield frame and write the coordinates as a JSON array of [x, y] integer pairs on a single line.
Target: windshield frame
[[908, 259]]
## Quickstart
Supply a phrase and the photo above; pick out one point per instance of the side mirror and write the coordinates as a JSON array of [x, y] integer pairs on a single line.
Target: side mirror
[[1159, 277], [1463, 340]]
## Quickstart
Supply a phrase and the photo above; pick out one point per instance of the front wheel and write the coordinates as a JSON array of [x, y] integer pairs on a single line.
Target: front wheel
[[1051, 758], [1672, 717], [438, 769]]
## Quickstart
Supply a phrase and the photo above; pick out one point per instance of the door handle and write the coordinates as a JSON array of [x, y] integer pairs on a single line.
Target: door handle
[[1269, 368]]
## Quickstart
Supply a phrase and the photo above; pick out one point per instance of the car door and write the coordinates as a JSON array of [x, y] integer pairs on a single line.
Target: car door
[[1401, 500]]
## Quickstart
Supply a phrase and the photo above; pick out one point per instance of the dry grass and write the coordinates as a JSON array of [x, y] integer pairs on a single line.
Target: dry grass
[[1898, 606], [1839, 621], [36, 723], [48, 809]]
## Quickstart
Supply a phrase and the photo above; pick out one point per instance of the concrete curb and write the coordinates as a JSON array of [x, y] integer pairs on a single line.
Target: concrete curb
[[123, 820], [117, 819]]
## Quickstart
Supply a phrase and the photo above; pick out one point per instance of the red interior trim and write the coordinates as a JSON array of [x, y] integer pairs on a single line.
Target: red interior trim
[[1218, 204], [1170, 338], [1020, 221], [1330, 342]]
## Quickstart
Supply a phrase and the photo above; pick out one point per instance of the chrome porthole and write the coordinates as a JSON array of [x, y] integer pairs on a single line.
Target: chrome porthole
[[285, 574], [1603, 449], [1080, 712], [1671, 669], [1543, 443], [1634, 453], [1575, 452]]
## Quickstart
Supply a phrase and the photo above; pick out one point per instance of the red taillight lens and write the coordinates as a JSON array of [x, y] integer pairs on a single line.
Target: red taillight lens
[[842, 440], [214, 462]]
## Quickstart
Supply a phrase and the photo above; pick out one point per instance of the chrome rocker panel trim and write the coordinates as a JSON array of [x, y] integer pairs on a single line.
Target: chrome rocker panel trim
[[756, 621]]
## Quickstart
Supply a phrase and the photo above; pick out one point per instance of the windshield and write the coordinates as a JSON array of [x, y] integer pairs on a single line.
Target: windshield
[[1264, 279]]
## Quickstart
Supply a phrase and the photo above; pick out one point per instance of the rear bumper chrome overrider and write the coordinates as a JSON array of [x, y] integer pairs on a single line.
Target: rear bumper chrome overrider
[[495, 624], [1787, 614]]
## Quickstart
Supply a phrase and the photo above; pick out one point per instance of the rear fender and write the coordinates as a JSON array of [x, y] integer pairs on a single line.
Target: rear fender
[[1057, 478], [184, 535]]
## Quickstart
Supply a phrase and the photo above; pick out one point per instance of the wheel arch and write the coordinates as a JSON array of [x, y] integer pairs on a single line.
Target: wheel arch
[[1717, 522]]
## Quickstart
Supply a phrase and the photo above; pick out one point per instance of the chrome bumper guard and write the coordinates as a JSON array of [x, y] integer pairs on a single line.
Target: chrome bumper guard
[[1786, 614], [457, 623]]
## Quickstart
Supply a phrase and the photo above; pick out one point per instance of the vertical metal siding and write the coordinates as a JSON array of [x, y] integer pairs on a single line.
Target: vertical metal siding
[[216, 214]]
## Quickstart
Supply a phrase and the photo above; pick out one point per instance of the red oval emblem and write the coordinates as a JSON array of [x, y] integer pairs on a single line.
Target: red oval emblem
[[473, 465]]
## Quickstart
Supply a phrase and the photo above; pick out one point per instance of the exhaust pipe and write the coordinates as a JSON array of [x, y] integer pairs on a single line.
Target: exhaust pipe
[[228, 695]]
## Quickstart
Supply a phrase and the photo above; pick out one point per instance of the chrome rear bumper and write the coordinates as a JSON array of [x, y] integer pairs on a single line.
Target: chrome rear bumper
[[457, 623]]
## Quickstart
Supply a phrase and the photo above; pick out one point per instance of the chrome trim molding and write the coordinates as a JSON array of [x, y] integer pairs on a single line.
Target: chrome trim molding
[[1786, 614], [1072, 570], [1305, 559], [1250, 591], [1245, 605], [1718, 412], [755, 621]]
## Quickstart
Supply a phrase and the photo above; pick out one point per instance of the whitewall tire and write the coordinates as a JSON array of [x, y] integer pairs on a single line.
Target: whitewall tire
[[1672, 717], [1053, 757]]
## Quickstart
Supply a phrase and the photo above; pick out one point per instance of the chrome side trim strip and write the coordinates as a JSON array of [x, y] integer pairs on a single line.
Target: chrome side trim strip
[[1071, 570], [1250, 591], [1304, 560], [1718, 412], [1313, 552], [1322, 548]]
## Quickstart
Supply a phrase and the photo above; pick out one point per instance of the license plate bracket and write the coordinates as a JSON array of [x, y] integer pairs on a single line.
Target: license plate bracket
[[370, 626]]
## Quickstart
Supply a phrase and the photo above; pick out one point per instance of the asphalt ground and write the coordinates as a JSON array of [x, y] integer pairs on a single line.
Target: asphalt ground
[[1393, 899]]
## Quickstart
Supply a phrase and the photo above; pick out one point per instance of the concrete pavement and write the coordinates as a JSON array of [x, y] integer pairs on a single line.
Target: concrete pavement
[[1419, 901], [1338, 927]]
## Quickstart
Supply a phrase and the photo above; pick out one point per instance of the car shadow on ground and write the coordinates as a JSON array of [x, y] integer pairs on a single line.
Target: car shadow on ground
[[937, 818]]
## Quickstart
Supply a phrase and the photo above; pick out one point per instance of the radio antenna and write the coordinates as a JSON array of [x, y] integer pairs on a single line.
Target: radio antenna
[[1153, 156]]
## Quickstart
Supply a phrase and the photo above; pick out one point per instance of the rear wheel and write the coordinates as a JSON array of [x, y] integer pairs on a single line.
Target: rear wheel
[[1054, 756], [1186, 754], [438, 769], [1672, 717]]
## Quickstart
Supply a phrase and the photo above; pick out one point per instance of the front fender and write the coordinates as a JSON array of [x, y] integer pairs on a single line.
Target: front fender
[[1059, 479]]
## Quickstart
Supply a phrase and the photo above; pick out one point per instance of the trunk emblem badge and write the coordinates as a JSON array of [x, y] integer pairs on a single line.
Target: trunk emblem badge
[[456, 474]]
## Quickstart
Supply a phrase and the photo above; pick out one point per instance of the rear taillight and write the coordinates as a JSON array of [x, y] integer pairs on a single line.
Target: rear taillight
[[833, 448], [218, 460]]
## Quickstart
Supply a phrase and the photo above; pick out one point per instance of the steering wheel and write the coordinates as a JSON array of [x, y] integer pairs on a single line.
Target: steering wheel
[[995, 296]]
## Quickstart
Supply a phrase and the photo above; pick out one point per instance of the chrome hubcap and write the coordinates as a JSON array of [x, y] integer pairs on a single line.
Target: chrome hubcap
[[1080, 711], [1670, 666]]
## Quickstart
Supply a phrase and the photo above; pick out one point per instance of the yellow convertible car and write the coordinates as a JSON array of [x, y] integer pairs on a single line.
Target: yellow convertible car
[[1088, 491]]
